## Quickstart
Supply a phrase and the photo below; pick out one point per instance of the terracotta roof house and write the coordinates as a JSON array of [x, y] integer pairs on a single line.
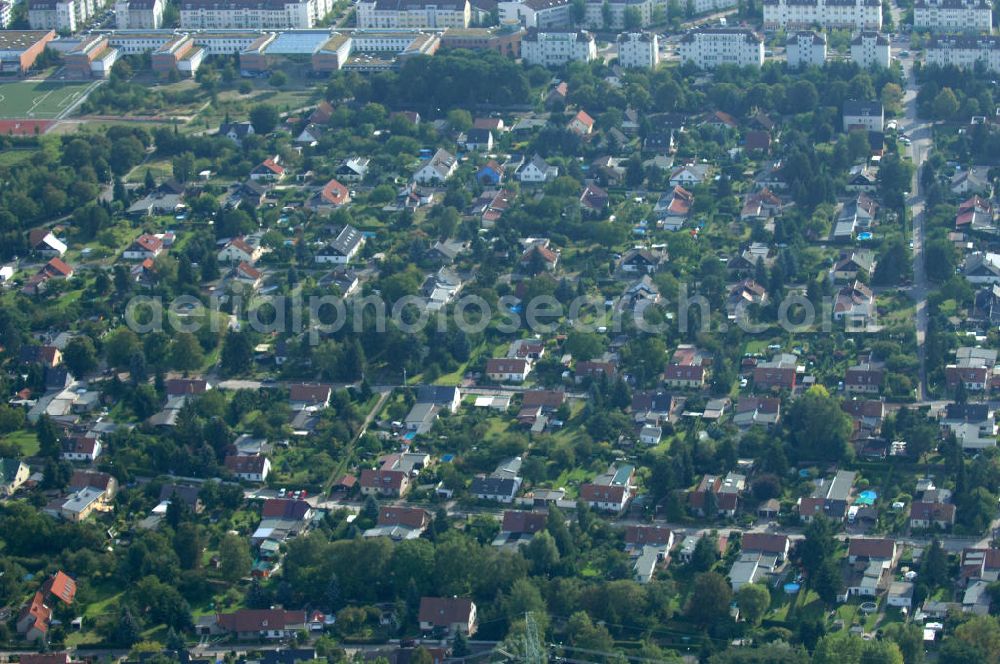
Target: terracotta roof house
[[447, 614], [769, 544], [581, 124], [34, 620], [268, 170], [252, 468], [332, 196]]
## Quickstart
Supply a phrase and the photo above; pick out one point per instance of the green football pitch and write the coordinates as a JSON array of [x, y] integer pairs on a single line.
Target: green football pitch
[[39, 100]]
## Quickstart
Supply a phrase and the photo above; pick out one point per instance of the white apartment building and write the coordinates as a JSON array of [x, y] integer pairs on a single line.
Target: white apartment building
[[60, 15], [706, 6], [6, 13], [859, 114], [806, 49], [139, 14], [850, 14], [870, 49], [964, 51], [710, 47], [556, 48], [953, 15], [638, 49], [539, 14], [594, 15], [414, 14], [252, 14]]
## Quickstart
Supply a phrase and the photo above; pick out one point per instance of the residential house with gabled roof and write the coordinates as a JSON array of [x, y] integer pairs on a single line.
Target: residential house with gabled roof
[[689, 175], [974, 367], [537, 170], [240, 250], [924, 515], [594, 199], [518, 527], [262, 624], [310, 134], [757, 411], [236, 131], [449, 615], [268, 170], [864, 378], [399, 523], [539, 255], [855, 305], [581, 124], [611, 491], [641, 260], [44, 243], [652, 407], [438, 169], [726, 491], [343, 248], [478, 140], [252, 468], [84, 448], [248, 275], [757, 140], [35, 618], [768, 544], [490, 174], [312, 396], [860, 262], [867, 415], [688, 368], [13, 474], [352, 169], [830, 497], [972, 180], [82, 479], [594, 370], [508, 370], [502, 485], [322, 113], [974, 425], [333, 195], [61, 586], [744, 294], [674, 208], [982, 268], [638, 536]]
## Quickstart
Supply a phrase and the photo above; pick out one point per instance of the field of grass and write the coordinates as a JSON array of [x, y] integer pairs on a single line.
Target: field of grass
[[15, 157], [26, 440], [40, 100]]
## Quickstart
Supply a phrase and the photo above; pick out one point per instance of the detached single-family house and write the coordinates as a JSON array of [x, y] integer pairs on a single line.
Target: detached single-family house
[[343, 248], [353, 169], [13, 474], [507, 370], [581, 124], [252, 468], [332, 196], [238, 250], [268, 170], [440, 167], [236, 131], [537, 170], [449, 615], [42, 242]]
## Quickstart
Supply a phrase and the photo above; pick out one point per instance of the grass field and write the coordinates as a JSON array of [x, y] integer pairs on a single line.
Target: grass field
[[40, 100]]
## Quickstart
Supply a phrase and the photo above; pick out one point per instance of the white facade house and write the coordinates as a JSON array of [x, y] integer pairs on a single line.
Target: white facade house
[[537, 13], [440, 167], [537, 170], [859, 114], [805, 49], [710, 47], [849, 14], [953, 16], [556, 48], [397, 14], [964, 51], [871, 49], [594, 14], [139, 14], [638, 50], [60, 15], [245, 15]]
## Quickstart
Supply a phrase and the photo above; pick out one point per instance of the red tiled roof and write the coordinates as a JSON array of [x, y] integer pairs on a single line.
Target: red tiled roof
[[517, 521], [445, 611], [765, 543], [653, 535], [272, 166], [335, 193], [871, 547], [245, 464], [59, 266], [602, 493], [61, 586], [285, 508], [383, 479], [411, 517]]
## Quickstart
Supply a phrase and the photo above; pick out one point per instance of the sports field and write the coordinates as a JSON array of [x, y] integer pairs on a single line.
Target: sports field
[[40, 100]]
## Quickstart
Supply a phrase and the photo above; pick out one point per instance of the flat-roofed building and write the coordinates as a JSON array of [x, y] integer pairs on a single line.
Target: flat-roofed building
[[414, 14], [20, 48], [252, 14], [708, 48], [973, 16], [91, 58], [638, 50], [803, 14], [557, 47]]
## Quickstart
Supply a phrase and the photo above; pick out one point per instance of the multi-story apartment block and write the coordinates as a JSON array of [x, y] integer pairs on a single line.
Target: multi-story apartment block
[[850, 14], [953, 15], [871, 49], [252, 14], [6, 13], [539, 14], [556, 48], [805, 49], [60, 15], [139, 14], [710, 47], [964, 51], [414, 14], [638, 49], [594, 16]]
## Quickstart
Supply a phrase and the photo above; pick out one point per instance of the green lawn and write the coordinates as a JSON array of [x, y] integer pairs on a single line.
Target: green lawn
[[26, 440], [40, 100]]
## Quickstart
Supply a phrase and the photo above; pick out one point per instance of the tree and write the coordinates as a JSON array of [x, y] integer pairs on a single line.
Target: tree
[[582, 632], [753, 600], [706, 552], [80, 356], [120, 346], [48, 438], [607, 15], [126, 631], [633, 18], [838, 648], [578, 8], [186, 353], [542, 553], [909, 638], [816, 548], [188, 544], [460, 645], [459, 120], [818, 428], [710, 599], [183, 166], [945, 104], [264, 118], [234, 558], [237, 352]]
